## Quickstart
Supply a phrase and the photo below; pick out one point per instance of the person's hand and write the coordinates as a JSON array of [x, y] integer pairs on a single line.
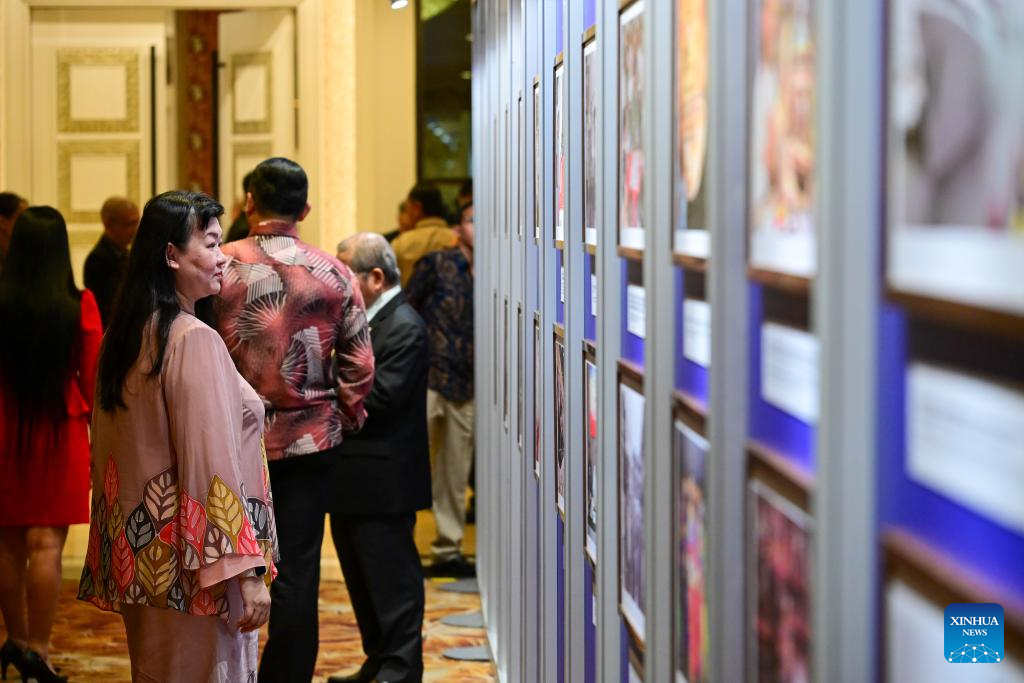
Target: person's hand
[[255, 603]]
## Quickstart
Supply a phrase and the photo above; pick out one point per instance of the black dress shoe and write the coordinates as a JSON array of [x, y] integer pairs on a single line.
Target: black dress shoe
[[455, 568], [358, 677]]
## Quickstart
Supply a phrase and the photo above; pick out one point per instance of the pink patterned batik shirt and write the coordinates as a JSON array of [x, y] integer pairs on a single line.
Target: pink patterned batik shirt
[[294, 321]]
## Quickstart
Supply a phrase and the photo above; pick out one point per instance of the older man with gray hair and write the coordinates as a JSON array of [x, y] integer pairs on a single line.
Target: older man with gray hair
[[382, 475], [106, 263]]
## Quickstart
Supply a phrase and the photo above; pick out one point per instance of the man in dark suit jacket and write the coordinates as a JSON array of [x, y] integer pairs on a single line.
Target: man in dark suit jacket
[[106, 263], [382, 476]]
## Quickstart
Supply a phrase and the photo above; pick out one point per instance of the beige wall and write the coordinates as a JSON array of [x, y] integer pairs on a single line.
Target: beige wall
[[386, 113]]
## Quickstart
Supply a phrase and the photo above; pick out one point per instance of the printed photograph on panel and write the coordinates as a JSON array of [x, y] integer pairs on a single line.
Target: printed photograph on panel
[[590, 143], [520, 378], [692, 70], [590, 380], [559, 154], [631, 103], [631, 507], [690, 452], [560, 424], [782, 597], [538, 400], [956, 107], [538, 160], [783, 179]]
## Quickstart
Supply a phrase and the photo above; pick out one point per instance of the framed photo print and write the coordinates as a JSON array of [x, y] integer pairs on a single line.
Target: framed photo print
[[538, 161], [559, 156], [590, 139], [783, 176], [520, 378], [691, 630], [956, 153], [590, 454], [505, 369], [560, 418], [632, 553], [521, 151], [538, 400], [692, 67], [920, 584], [631, 129], [780, 553]]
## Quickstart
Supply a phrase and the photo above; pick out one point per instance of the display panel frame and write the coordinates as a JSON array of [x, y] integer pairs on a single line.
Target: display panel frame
[[631, 602], [538, 400], [939, 577], [538, 161], [691, 244], [630, 159], [559, 156], [770, 247], [590, 134], [943, 258], [591, 457], [560, 412], [688, 425], [798, 585]]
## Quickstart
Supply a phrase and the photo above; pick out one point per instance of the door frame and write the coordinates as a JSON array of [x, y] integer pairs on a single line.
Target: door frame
[[16, 119]]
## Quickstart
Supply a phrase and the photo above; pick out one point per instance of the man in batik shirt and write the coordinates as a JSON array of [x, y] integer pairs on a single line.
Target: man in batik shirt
[[293, 319], [441, 291]]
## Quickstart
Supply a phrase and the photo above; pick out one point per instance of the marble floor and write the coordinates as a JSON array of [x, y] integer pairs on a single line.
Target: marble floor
[[89, 645]]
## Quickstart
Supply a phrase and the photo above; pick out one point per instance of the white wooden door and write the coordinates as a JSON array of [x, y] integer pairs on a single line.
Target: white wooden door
[[257, 93], [99, 117]]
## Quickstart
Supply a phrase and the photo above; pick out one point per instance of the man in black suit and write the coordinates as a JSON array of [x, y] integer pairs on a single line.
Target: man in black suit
[[106, 263], [382, 476]]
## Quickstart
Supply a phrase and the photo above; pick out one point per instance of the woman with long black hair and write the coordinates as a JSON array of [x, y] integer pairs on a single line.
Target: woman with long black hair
[[48, 347], [182, 535]]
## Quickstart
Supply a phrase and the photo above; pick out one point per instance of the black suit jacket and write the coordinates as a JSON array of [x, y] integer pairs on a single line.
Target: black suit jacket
[[104, 269], [384, 469]]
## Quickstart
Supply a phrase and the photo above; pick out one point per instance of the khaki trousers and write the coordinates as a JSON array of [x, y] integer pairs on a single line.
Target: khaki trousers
[[450, 424]]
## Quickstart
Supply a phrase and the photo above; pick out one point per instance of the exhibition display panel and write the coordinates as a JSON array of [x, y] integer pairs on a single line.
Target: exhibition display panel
[[752, 404]]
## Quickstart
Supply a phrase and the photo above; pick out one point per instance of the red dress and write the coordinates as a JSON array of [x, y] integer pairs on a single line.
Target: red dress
[[51, 488]]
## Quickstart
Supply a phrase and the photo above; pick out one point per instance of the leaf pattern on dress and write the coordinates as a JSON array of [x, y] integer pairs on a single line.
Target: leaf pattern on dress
[[135, 594], [111, 482], [123, 561], [105, 550], [139, 529], [191, 559], [171, 536], [217, 544], [191, 529], [92, 553], [176, 597], [247, 544], [224, 509], [157, 567], [259, 517], [160, 497], [86, 588], [115, 522], [203, 604]]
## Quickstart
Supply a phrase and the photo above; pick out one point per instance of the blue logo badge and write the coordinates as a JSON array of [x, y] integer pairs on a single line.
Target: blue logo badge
[[974, 633]]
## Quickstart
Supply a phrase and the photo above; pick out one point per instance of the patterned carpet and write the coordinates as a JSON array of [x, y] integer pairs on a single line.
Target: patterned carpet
[[89, 645]]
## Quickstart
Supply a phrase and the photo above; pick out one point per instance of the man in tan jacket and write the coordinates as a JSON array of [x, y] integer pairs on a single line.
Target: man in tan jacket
[[429, 233]]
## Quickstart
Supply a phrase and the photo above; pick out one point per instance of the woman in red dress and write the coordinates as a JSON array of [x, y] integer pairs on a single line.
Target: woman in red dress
[[48, 347]]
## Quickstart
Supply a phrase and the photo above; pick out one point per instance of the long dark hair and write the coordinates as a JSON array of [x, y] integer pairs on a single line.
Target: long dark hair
[[40, 308], [148, 288]]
